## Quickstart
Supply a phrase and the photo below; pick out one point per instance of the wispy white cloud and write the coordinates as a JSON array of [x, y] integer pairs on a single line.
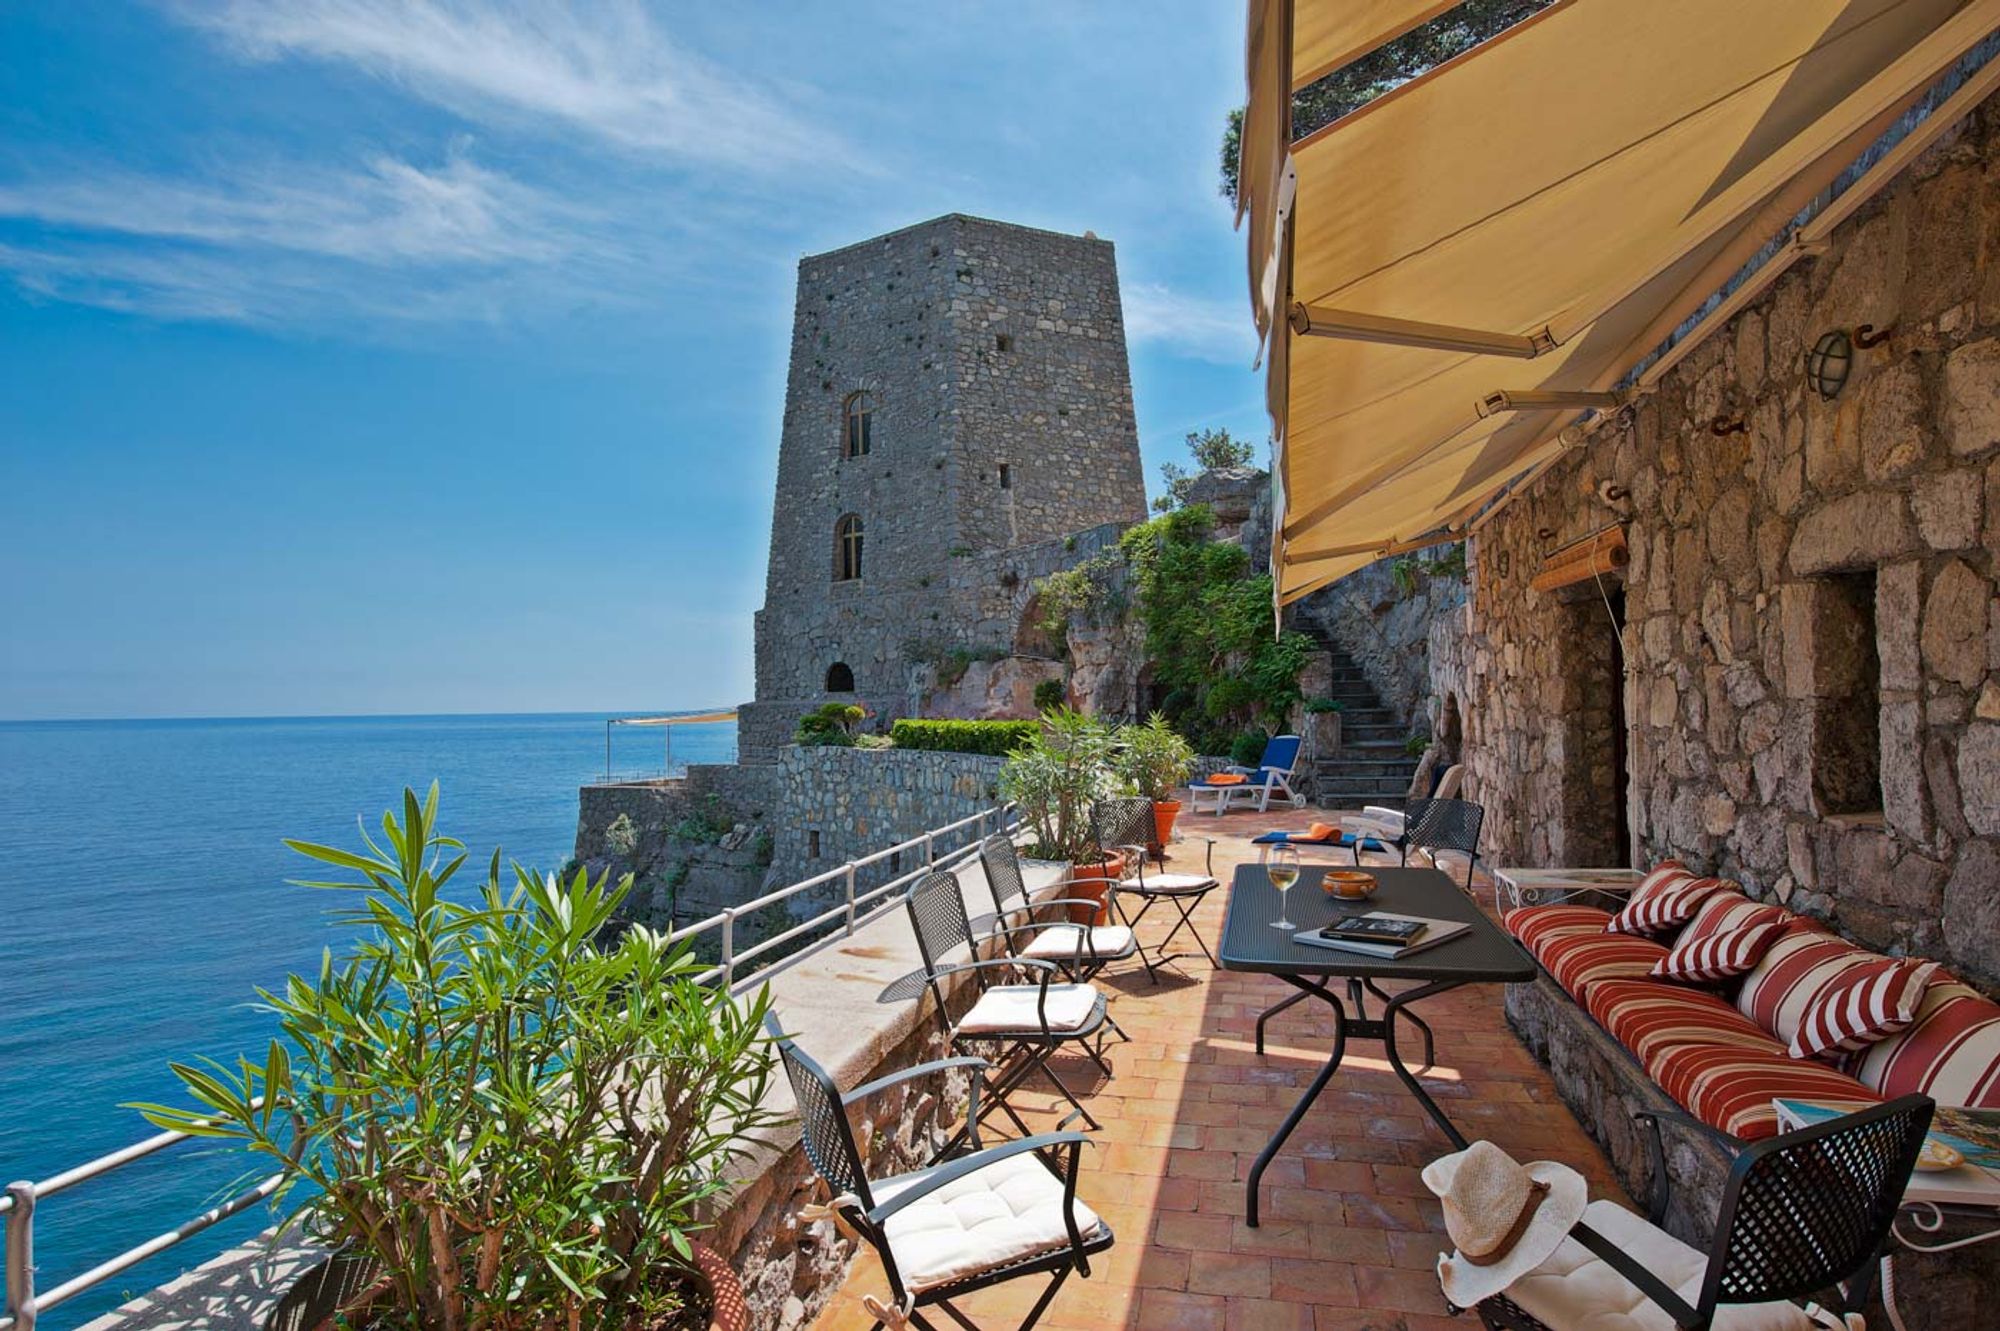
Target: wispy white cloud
[[1212, 330], [605, 68], [385, 211], [281, 241]]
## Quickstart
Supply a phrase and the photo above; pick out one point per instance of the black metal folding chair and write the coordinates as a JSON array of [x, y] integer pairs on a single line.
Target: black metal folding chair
[[914, 1221], [1126, 826], [1804, 1214], [1030, 1022], [1439, 825], [1082, 950]]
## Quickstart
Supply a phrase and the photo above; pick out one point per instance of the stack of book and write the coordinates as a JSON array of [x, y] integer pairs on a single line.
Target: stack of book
[[1381, 934]]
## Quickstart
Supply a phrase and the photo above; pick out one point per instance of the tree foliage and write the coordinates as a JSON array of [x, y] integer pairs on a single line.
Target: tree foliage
[[1209, 629], [1211, 450], [1387, 67]]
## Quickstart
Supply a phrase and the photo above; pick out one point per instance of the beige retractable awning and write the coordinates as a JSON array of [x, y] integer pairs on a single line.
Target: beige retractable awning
[[1454, 273]]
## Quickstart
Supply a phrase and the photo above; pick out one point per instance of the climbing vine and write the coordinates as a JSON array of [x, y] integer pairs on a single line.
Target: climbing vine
[[1209, 632]]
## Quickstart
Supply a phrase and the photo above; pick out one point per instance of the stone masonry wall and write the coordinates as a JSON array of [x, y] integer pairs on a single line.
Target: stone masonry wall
[[854, 802], [981, 345], [693, 845], [1384, 629], [1758, 557]]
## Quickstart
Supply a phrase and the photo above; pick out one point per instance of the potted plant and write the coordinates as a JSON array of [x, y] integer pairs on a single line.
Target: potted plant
[[1055, 778], [1156, 761], [498, 1119]]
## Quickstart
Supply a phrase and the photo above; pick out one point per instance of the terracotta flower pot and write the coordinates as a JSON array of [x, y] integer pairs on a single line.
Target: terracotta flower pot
[[1164, 813], [347, 1285], [729, 1311], [1093, 883]]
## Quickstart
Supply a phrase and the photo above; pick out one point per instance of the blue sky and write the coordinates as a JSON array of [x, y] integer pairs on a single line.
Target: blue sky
[[428, 355]]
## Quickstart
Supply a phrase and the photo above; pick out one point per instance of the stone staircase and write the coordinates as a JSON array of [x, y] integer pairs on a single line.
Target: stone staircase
[[1370, 767]]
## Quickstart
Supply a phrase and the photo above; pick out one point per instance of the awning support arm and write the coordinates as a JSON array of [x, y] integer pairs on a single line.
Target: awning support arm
[[1320, 321], [1508, 399]]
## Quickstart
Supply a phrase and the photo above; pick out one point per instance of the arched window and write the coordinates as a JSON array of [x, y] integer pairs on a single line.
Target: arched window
[[839, 678], [847, 548], [858, 425]]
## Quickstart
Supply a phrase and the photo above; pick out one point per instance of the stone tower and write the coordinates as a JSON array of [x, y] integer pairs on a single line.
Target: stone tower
[[957, 388]]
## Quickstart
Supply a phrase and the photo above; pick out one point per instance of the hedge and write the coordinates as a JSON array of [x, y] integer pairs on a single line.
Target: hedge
[[994, 737]]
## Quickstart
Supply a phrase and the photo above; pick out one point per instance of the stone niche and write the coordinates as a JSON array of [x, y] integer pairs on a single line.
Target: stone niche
[[1805, 671]]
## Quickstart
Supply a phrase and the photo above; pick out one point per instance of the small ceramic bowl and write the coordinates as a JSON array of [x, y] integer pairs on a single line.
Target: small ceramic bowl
[[1937, 1156], [1348, 884]]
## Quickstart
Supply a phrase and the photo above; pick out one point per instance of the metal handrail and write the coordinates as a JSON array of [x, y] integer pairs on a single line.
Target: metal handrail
[[849, 911], [17, 1206], [24, 1305]]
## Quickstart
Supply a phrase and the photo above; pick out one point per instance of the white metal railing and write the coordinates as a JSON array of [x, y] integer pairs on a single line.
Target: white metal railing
[[856, 908]]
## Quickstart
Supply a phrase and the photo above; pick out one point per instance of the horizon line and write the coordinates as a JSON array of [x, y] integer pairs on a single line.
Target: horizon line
[[346, 716]]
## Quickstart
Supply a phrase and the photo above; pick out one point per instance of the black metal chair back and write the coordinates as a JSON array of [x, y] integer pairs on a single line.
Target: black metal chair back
[[1002, 863], [1436, 825], [1117, 824], [823, 1127], [1807, 1210], [938, 918]]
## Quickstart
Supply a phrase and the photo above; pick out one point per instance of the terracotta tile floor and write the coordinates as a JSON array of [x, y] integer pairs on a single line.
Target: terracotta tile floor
[[1349, 1236]]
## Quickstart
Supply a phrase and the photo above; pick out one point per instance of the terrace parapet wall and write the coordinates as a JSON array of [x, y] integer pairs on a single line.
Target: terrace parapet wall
[[1745, 679], [841, 804]]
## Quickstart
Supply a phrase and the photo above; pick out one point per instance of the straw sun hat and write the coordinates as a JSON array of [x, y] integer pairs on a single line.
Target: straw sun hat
[[1506, 1218]]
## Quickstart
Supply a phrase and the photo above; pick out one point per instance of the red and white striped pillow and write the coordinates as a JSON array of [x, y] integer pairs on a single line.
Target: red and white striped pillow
[[1664, 900], [1728, 936], [1805, 958], [1863, 1004], [1950, 1053]]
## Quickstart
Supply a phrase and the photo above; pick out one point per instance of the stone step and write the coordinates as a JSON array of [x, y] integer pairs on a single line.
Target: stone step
[[1373, 774]]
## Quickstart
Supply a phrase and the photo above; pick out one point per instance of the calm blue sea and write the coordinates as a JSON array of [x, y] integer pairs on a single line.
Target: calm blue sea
[[143, 897]]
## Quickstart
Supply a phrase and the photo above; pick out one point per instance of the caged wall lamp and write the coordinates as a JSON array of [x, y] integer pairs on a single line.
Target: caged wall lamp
[[1829, 361]]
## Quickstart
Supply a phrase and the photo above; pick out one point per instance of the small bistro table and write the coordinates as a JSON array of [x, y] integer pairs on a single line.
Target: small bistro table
[[1544, 887], [1483, 954]]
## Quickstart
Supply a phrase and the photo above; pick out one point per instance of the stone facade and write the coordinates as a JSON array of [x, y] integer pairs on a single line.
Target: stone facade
[[842, 804], [1384, 627], [693, 845], [1797, 668], [994, 359]]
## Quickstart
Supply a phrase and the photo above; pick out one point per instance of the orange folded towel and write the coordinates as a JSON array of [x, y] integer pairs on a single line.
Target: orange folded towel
[[1317, 832], [1227, 779]]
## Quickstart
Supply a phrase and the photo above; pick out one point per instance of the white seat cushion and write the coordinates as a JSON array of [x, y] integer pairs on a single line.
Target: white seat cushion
[[1575, 1290], [1012, 1008], [1010, 1210], [1060, 942], [1171, 882], [1387, 822]]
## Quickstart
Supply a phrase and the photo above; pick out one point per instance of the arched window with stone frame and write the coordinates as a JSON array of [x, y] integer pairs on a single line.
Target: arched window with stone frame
[[847, 548], [857, 427], [840, 678]]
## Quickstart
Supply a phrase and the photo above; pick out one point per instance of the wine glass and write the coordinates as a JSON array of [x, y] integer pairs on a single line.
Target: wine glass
[[1281, 864]]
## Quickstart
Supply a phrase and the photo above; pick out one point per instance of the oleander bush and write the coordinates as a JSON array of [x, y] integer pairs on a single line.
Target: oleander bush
[[998, 738], [514, 1117]]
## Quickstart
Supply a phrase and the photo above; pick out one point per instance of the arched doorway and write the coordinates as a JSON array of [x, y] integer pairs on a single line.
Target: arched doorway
[[839, 678]]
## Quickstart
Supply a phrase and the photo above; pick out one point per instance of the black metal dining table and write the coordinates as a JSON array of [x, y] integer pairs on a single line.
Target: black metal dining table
[[1482, 954]]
